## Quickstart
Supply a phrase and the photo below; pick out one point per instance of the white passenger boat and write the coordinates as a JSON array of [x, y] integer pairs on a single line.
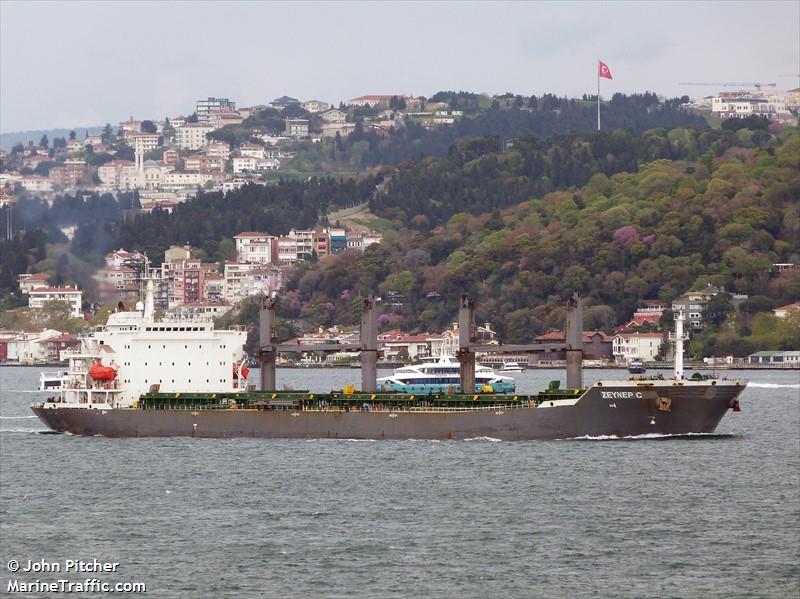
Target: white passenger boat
[[512, 367], [442, 375]]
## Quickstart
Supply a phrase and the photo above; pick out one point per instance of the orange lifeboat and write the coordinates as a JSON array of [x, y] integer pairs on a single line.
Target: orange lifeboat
[[98, 372]]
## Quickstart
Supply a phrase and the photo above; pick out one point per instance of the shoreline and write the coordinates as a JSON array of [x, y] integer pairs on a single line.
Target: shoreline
[[392, 365]]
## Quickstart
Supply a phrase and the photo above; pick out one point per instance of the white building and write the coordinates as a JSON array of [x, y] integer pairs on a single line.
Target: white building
[[254, 247], [334, 115], [252, 150], [184, 180], [315, 106], [636, 346], [28, 281], [248, 164], [36, 183], [729, 106], [192, 136], [37, 298], [205, 108], [144, 142]]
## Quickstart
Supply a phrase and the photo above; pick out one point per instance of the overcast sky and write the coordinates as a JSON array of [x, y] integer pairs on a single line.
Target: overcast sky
[[71, 64]]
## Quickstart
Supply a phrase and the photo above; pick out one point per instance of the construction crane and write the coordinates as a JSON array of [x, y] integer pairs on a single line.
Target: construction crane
[[732, 84]]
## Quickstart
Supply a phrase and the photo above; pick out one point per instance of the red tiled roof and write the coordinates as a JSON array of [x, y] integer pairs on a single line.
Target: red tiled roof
[[251, 234]]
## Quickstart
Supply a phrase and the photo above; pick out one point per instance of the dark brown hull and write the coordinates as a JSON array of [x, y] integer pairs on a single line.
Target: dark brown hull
[[609, 410]]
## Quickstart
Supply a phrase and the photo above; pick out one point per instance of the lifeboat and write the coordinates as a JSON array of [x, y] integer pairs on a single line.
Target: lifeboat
[[98, 372]]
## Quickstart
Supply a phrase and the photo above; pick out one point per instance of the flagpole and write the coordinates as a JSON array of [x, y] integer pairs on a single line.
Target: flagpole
[[598, 96]]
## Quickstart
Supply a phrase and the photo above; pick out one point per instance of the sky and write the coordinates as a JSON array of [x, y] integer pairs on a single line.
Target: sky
[[73, 64]]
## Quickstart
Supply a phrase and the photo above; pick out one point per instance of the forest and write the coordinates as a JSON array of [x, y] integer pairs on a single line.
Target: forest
[[506, 117], [724, 217]]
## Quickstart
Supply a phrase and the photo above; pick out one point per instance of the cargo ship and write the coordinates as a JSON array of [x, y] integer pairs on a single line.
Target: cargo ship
[[142, 377]]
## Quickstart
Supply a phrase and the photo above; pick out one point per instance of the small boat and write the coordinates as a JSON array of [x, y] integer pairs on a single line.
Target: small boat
[[512, 367], [443, 375], [636, 367], [52, 381]]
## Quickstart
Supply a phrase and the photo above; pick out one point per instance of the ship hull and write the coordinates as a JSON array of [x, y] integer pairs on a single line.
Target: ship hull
[[621, 411]]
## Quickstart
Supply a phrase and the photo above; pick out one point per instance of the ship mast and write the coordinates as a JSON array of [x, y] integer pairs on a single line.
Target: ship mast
[[678, 337]]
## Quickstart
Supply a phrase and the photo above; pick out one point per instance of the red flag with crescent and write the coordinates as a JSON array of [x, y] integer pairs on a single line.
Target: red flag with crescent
[[603, 70]]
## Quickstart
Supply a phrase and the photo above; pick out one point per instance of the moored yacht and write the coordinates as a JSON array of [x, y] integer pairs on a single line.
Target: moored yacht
[[512, 367], [442, 375]]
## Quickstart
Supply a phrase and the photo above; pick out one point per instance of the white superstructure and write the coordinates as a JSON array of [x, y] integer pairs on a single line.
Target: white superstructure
[[442, 373], [148, 354]]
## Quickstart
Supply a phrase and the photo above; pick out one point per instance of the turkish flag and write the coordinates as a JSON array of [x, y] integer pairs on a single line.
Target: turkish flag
[[603, 70]]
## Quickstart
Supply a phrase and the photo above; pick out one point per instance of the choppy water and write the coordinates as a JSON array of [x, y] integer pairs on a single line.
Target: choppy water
[[697, 516]]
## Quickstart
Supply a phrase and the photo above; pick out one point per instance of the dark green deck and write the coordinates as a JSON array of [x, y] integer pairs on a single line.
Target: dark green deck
[[338, 400]]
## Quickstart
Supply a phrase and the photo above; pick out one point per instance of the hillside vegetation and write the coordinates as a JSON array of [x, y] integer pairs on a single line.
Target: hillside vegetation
[[723, 217]]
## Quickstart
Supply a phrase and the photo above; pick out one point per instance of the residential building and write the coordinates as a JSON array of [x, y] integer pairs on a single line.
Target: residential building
[[118, 174], [784, 358], [185, 279], [218, 149], [192, 136], [191, 180], [28, 281], [283, 102], [205, 108], [597, 345], [647, 315], [202, 162], [304, 240], [116, 284], [315, 106], [331, 129], [166, 205], [371, 101], [334, 115], [252, 150], [42, 347], [261, 281], [122, 257], [693, 304], [248, 164], [249, 111], [36, 183], [200, 310], [393, 343], [235, 285], [224, 118], [637, 346], [322, 243], [287, 250], [70, 174], [338, 240], [784, 311], [172, 155], [214, 286], [254, 247], [75, 146], [792, 99], [297, 128], [144, 142], [37, 298]]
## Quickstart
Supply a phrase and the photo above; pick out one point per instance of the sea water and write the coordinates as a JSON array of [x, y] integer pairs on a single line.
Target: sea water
[[695, 516]]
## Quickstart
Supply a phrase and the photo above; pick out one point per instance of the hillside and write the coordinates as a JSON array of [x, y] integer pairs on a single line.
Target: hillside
[[722, 218]]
